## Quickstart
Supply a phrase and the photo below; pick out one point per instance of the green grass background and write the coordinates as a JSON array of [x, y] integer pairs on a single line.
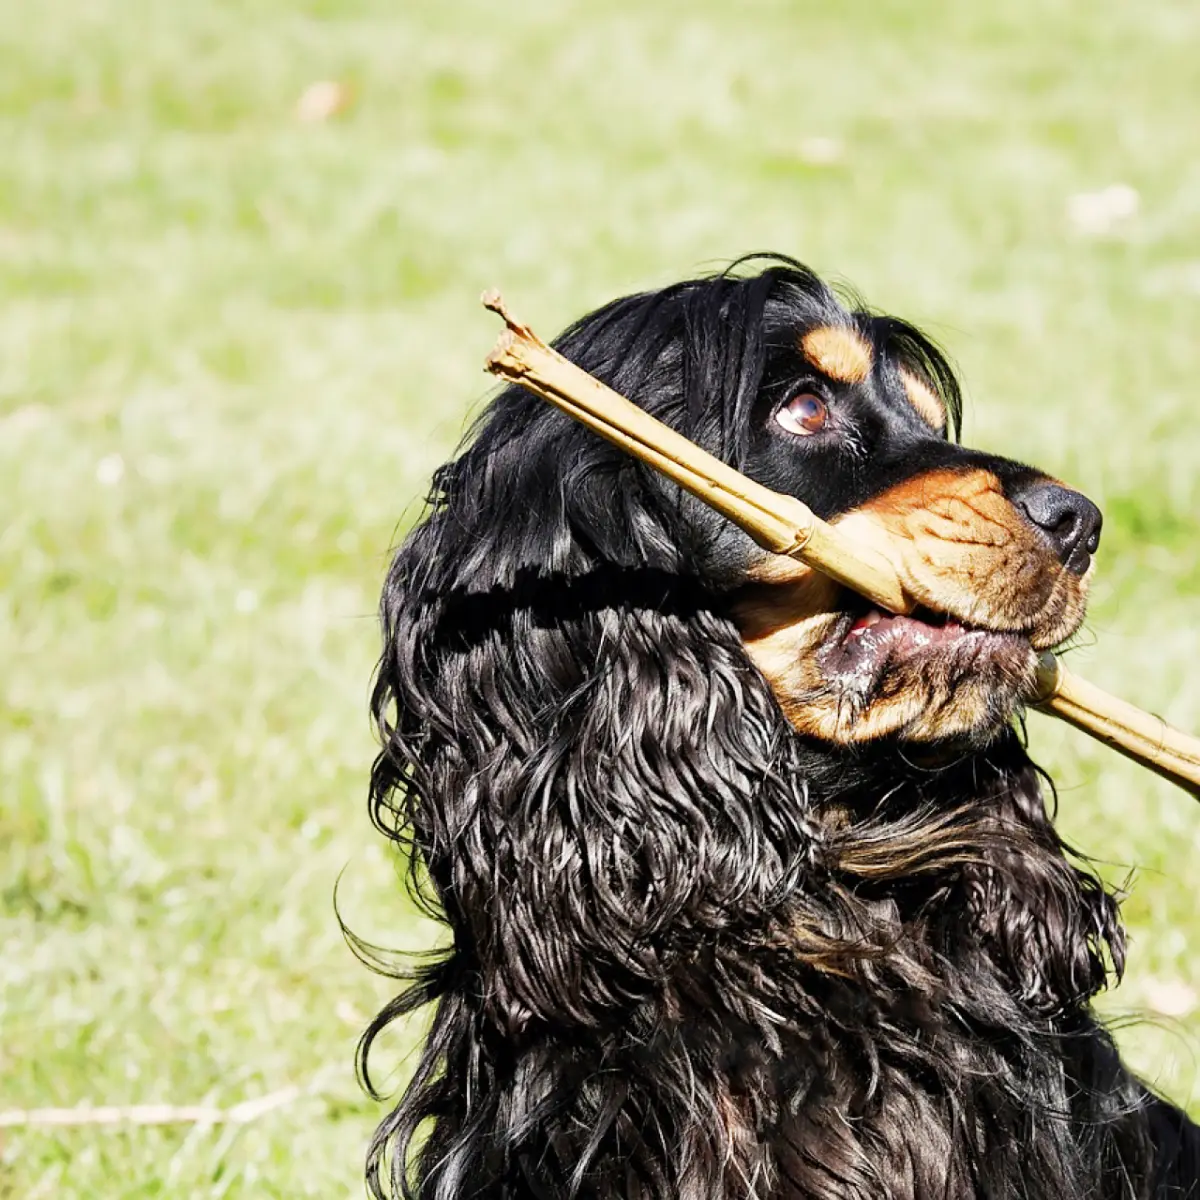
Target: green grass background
[[233, 345]]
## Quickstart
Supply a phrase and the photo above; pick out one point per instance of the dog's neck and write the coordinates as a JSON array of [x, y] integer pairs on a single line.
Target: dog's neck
[[958, 847]]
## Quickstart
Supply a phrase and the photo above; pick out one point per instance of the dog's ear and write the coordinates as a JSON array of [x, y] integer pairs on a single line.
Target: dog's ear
[[587, 767], [1047, 920], [595, 783]]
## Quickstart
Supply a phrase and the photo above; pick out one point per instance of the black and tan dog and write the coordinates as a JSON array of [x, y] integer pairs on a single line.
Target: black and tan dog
[[751, 889]]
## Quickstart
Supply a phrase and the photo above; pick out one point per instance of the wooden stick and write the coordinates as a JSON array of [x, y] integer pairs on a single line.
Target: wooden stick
[[1138, 735], [783, 525]]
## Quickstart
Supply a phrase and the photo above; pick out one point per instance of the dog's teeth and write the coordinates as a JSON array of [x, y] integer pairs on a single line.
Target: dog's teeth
[[865, 622]]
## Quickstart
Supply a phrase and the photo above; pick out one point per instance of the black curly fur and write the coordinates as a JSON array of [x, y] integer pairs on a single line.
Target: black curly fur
[[694, 955]]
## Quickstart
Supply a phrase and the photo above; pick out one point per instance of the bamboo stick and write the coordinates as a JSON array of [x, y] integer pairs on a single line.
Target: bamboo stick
[[783, 525]]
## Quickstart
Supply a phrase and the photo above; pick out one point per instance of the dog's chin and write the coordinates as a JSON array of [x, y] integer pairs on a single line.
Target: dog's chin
[[925, 677]]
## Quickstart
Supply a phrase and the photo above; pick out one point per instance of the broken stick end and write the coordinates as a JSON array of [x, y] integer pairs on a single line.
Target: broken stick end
[[499, 360]]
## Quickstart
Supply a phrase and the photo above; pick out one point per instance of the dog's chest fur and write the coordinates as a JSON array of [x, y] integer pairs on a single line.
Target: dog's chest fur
[[914, 1092]]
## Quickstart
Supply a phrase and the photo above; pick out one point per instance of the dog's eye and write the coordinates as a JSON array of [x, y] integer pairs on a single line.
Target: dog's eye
[[804, 414]]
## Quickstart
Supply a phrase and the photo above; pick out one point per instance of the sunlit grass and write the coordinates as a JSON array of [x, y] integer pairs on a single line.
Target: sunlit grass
[[233, 346]]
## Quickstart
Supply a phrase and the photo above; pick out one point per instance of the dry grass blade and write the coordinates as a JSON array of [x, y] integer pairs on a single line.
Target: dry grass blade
[[150, 1114]]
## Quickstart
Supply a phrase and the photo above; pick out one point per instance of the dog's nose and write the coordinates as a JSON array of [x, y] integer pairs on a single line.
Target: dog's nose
[[1069, 519]]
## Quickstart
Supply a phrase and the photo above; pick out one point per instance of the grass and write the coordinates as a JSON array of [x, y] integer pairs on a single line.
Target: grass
[[233, 345]]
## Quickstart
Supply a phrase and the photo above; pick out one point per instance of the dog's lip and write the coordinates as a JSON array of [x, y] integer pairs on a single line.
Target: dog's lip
[[921, 623], [865, 641]]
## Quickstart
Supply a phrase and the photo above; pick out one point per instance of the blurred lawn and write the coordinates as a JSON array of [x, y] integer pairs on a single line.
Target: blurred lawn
[[234, 344]]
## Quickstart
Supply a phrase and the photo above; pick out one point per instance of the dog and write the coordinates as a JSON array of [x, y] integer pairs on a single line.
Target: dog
[[751, 889]]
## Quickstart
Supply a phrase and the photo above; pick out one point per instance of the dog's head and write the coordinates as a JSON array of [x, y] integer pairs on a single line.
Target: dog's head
[[856, 415]]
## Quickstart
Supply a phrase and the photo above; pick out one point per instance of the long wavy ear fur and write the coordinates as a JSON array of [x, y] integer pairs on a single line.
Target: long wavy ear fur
[[1050, 925], [594, 781]]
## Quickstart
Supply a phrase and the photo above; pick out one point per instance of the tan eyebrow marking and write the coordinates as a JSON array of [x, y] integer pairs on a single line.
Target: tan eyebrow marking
[[924, 399], [839, 352]]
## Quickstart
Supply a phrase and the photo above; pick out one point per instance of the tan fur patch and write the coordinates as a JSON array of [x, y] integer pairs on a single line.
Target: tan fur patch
[[779, 568], [764, 611], [839, 352], [923, 398]]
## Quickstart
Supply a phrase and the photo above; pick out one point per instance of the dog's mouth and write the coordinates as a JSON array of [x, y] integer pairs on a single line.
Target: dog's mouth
[[865, 645], [854, 674]]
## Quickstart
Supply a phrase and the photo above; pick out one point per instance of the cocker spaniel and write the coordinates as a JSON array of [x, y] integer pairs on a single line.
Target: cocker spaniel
[[751, 890]]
